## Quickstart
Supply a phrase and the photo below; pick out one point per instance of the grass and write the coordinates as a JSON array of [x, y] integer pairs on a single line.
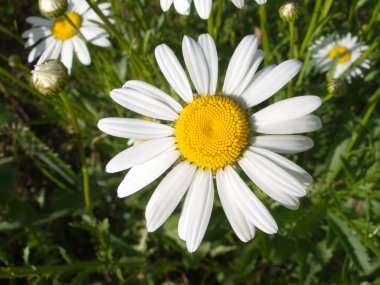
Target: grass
[[54, 232]]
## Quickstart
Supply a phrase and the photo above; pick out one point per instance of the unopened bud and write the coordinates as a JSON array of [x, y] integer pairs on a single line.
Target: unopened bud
[[337, 87], [50, 77], [14, 60], [52, 8], [290, 11]]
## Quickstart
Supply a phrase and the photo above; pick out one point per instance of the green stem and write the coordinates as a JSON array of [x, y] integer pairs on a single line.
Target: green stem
[[359, 59], [291, 55], [311, 27], [303, 70], [371, 108], [30, 270], [74, 27], [327, 98], [367, 242], [264, 32], [210, 24], [218, 19], [110, 26], [82, 157], [6, 31]]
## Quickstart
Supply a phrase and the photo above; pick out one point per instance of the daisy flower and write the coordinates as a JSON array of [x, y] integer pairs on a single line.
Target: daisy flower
[[347, 48], [213, 135], [203, 6], [56, 38]]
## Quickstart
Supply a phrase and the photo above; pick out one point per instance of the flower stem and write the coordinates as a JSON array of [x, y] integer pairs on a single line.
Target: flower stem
[[291, 55], [210, 24], [264, 32], [359, 59], [110, 26], [82, 157], [311, 27], [218, 22]]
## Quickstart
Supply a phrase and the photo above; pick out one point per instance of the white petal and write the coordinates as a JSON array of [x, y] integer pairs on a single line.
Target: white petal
[[203, 8], [282, 180], [39, 48], [80, 6], [168, 194], [300, 125], [81, 50], [209, 49], [67, 54], [138, 154], [134, 128], [153, 92], [196, 64], [35, 35], [182, 6], [240, 63], [49, 49], [143, 104], [239, 223], [283, 143], [165, 4], [287, 110], [173, 72], [249, 204], [253, 171], [259, 56], [92, 34], [143, 174], [256, 79], [200, 199], [272, 82], [238, 3], [39, 21], [292, 168]]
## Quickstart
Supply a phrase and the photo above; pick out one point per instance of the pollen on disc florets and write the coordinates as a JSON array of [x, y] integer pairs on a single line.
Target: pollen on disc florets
[[62, 29], [343, 53], [212, 131]]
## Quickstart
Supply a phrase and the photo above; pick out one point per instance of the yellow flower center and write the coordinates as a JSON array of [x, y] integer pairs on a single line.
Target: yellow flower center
[[342, 52], [212, 131], [62, 29]]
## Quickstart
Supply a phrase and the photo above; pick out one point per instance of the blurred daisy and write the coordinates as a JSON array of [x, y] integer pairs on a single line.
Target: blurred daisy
[[210, 136], [203, 6], [56, 38], [347, 48]]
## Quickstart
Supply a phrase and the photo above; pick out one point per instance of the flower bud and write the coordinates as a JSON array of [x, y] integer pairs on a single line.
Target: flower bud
[[50, 77], [337, 87], [14, 60], [290, 11], [52, 8]]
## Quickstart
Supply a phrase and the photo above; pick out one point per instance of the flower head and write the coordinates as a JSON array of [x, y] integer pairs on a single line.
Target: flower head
[[52, 8], [50, 77], [211, 136], [337, 86], [290, 11], [203, 6], [347, 49], [61, 38]]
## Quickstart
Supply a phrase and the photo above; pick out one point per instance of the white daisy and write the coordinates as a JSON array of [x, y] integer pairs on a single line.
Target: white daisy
[[210, 136], [203, 6], [325, 49], [54, 38]]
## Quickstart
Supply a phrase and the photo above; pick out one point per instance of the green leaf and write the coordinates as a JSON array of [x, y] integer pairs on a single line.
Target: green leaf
[[351, 243]]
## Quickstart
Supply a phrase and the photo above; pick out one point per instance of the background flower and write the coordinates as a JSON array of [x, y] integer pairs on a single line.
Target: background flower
[[347, 48], [57, 38], [203, 6]]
